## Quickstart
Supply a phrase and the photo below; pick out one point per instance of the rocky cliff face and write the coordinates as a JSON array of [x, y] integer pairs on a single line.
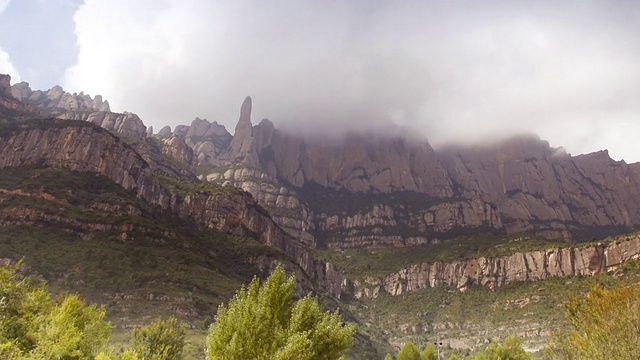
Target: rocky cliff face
[[537, 188], [207, 140], [80, 146], [495, 272], [8, 102], [282, 203], [57, 103], [359, 191], [518, 185]]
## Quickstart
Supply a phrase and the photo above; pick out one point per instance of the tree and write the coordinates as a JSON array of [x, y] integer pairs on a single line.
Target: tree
[[409, 352], [510, 350], [72, 330], [160, 340], [429, 353], [388, 357], [264, 322], [34, 326], [604, 323], [23, 301]]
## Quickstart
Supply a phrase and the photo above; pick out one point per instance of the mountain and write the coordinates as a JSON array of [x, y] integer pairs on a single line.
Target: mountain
[[399, 191], [96, 202]]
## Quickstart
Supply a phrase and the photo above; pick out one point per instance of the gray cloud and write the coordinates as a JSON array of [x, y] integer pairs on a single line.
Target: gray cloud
[[457, 71]]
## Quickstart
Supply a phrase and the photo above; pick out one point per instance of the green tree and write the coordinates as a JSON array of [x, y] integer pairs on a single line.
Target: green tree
[[511, 349], [160, 340], [388, 357], [409, 352], [33, 326], [264, 322], [429, 353], [72, 330], [604, 323], [454, 357], [22, 303]]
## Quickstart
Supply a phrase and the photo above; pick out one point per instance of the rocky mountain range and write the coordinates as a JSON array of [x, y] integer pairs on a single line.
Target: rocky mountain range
[[309, 197], [519, 185]]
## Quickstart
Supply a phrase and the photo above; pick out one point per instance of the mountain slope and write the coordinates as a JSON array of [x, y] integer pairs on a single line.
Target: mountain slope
[[521, 184], [97, 203]]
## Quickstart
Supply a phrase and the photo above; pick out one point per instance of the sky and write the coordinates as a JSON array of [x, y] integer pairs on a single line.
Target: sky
[[450, 71]]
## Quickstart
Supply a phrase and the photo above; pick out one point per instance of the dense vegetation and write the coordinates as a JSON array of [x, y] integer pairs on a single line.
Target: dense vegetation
[[261, 322], [85, 234], [265, 323], [604, 325]]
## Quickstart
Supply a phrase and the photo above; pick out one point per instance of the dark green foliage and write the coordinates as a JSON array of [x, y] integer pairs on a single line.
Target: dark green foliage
[[160, 340], [430, 353], [409, 352], [331, 202]]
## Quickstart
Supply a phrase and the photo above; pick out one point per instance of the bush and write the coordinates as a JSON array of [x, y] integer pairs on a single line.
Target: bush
[[264, 322]]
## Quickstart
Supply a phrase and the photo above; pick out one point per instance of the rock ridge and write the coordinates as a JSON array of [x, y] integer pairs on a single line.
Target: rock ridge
[[84, 147], [494, 272]]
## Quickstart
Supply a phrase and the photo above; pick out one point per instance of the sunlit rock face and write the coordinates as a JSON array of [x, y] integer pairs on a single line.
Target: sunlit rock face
[[495, 272]]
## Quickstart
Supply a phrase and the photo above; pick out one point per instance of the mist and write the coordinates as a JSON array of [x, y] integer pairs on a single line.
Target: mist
[[456, 71]]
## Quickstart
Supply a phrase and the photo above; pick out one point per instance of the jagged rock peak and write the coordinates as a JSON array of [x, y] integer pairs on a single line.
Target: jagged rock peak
[[165, 131], [243, 128], [5, 86], [56, 101], [242, 147], [245, 110]]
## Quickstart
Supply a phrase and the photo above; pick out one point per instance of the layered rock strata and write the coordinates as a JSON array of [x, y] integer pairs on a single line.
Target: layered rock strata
[[588, 260], [79, 146], [518, 185]]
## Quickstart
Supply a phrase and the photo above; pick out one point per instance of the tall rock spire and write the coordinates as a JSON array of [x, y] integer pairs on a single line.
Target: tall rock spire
[[242, 147]]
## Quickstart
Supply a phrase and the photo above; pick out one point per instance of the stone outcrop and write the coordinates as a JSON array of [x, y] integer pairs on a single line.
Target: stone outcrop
[[207, 140], [587, 260], [8, 101], [242, 147], [5, 86], [399, 225], [84, 147], [125, 124], [57, 103], [176, 148], [281, 202]]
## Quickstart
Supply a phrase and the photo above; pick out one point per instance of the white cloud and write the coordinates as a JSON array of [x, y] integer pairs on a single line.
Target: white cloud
[[454, 71], [6, 67], [3, 5]]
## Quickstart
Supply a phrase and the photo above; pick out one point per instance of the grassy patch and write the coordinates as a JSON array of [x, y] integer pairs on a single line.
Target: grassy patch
[[88, 235], [332, 202]]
